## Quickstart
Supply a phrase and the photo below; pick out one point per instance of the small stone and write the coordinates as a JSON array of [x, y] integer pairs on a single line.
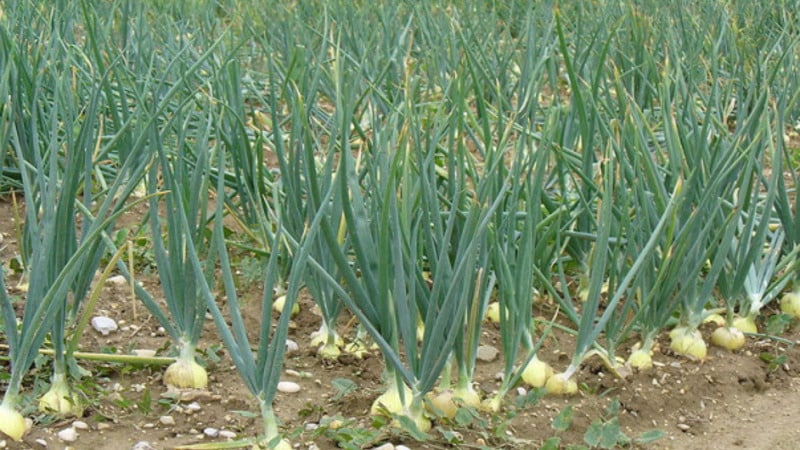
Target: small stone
[[288, 387], [311, 426], [41, 442], [3, 443], [487, 353], [521, 391], [291, 346], [227, 434], [193, 407], [117, 280], [103, 426], [211, 432], [68, 434], [386, 446], [144, 352], [80, 425], [143, 445], [167, 420], [683, 427], [104, 325], [149, 426], [401, 447]]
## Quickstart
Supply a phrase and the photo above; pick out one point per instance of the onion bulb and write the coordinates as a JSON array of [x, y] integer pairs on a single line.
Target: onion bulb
[[277, 305], [60, 399], [390, 404], [715, 319], [641, 359], [493, 312], [790, 304], [688, 343], [729, 338], [561, 384], [745, 324], [185, 373], [327, 341], [443, 404], [12, 424], [536, 373]]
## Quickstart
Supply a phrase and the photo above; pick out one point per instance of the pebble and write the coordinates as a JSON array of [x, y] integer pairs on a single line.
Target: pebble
[[143, 445], [487, 353], [683, 427], [68, 434], [211, 432], [521, 391], [167, 420], [386, 446], [227, 434], [104, 325], [144, 353], [3, 444], [118, 280], [401, 447], [193, 407], [291, 346], [103, 426], [41, 442], [80, 425], [311, 426], [288, 387]]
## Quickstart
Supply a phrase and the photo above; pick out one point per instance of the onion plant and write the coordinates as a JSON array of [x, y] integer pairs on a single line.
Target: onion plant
[[58, 133], [261, 369]]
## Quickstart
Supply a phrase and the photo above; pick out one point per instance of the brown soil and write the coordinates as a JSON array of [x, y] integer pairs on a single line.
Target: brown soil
[[732, 400]]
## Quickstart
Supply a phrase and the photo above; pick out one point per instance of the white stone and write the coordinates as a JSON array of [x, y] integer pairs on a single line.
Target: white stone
[[80, 425], [143, 445], [288, 387], [311, 426], [144, 352], [117, 280], [401, 447], [386, 446], [68, 434], [104, 325], [41, 442], [227, 434], [211, 432], [3, 444], [487, 353], [291, 346], [167, 420], [193, 407]]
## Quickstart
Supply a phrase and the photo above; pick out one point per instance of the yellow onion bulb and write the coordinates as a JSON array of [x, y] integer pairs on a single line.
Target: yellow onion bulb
[[790, 304], [745, 324], [729, 338], [186, 374], [12, 424], [561, 384], [493, 312], [60, 399], [279, 303], [715, 318], [536, 373], [443, 404], [688, 343], [390, 402], [466, 396], [641, 359]]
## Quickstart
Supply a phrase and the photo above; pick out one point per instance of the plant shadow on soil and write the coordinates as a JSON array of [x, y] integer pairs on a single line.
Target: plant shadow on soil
[[732, 400]]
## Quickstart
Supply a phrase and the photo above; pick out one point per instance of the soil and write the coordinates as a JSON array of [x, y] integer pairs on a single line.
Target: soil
[[731, 400]]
